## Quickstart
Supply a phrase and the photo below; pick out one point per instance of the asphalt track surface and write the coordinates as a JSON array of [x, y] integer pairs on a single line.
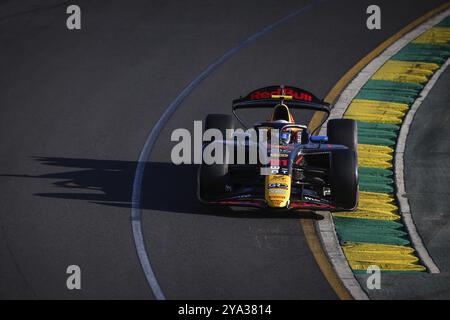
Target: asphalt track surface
[[428, 172], [76, 110]]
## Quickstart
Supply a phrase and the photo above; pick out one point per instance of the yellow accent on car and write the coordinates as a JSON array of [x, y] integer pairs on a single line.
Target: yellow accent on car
[[280, 96], [277, 190]]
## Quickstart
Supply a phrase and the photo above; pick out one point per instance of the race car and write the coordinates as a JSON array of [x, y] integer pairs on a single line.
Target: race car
[[307, 172]]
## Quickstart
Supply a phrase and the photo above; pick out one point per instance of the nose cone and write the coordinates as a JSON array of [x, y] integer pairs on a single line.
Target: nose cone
[[278, 190]]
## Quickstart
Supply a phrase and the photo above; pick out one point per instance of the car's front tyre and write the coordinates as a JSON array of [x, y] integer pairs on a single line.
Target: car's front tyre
[[344, 163]]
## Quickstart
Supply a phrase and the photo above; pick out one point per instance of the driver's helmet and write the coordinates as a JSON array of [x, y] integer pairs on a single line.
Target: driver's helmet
[[285, 136]]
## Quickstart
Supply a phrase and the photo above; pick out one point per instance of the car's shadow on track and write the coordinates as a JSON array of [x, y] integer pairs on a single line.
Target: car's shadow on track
[[166, 187]]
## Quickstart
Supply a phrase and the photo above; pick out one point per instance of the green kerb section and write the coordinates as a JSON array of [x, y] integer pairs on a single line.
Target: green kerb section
[[381, 90], [376, 180], [377, 133], [444, 23], [424, 53], [371, 231]]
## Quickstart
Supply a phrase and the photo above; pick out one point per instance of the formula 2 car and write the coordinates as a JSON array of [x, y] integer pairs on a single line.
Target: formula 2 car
[[309, 172]]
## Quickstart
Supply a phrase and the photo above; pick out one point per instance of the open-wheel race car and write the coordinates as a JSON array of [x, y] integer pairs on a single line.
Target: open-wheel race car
[[307, 171]]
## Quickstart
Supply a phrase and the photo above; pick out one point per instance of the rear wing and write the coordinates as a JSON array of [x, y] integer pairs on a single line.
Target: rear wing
[[294, 98]]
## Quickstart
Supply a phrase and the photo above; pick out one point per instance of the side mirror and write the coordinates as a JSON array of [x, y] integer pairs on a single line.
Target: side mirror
[[319, 139]]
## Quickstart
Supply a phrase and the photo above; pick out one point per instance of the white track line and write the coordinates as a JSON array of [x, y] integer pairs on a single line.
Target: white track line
[[325, 227]]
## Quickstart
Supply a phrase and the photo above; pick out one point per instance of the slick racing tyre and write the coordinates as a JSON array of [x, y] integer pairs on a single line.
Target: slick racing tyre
[[344, 132], [344, 163], [213, 179], [344, 179]]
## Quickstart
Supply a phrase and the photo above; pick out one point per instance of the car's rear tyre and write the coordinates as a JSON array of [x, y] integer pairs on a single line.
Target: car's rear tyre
[[344, 132], [213, 179], [344, 179]]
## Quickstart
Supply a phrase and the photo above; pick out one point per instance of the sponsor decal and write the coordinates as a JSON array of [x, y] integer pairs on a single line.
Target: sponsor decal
[[280, 155], [277, 197], [277, 191], [312, 199], [283, 147], [295, 94], [277, 185], [275, 178], [242, 196]]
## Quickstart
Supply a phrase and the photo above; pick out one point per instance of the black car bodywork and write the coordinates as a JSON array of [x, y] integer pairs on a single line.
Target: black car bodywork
[[317, 172]]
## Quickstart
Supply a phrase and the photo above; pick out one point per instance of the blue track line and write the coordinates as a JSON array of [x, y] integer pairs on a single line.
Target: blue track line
[[136, 217]]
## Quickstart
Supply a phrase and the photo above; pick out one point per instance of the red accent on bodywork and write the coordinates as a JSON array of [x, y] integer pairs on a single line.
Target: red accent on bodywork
[[299, 160], [310, 205], [262, 204], [240, 202], [279, 162], [296, 95]]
